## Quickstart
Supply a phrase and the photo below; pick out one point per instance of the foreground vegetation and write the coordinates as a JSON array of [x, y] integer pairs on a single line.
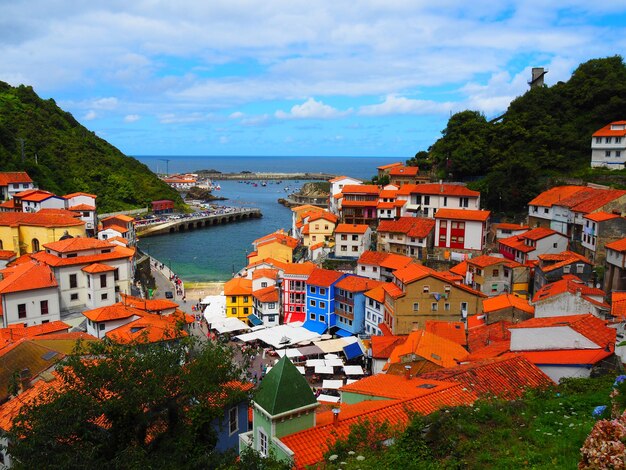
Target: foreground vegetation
[[64, 157], [544, 430]]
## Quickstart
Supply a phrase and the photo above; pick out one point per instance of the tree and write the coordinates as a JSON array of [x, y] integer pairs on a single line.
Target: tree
[[134, 406]]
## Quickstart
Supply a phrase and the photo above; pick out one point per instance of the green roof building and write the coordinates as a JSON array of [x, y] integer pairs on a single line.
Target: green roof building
[[283, 404]]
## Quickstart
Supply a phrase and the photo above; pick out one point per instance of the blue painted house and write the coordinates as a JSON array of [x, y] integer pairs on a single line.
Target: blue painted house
[[233, 422], [350, 304], [320, 300]]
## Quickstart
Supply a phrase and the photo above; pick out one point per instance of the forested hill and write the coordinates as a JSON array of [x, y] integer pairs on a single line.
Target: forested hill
[[62, 156], [545, 134]]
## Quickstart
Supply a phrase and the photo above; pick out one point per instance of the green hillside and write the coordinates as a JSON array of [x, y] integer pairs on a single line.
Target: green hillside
[[544, 135], [62, 156]]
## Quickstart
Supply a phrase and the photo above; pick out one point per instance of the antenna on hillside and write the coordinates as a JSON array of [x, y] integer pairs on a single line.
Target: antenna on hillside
[[167, 166]]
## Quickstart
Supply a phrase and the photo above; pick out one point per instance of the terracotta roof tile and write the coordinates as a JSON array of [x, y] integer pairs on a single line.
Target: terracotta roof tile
[[354, 283], [404, 171], [538, 233], [460, 269], [588, 325], [150, 328], [360, 189], [72, 195], [267, 294], [265, 272], [508, 226], [27, 276], [352, 228], [559, 260], [78, 244], [506, 377], [463, 214], [7, 177], [412, 272], [238, 286], [555, 195], [453, 330], [493, 304], [37, 219], [116, 311], [618, 304], [601, 216], [389, 166], [323, 277], [148, 305], [437, 188], [567, 356], [395, 261], [484, 261], [12, 408], [496, 349], [383, 346], [606, 131], [433, 348], [484, 335], [7, 254], [98, 268], [377, 294], [619, 245], [35, 195], [117, 252], [304, 269], [372, 257], [416, 227], [393, 290], [570, 284]]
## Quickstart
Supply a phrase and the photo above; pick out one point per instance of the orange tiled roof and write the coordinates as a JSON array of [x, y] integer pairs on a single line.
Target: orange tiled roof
[[372, 203], [303, 269], [388, 193], [569, 283], [117, 252], [323, 277], [416, 227], [395, 261], [601, 216], [377, 293], [436, 188], [338, 178], [567, 356], [37, 219], [71, 195], [372, 257], [116, 311], [555, 195], [309, 445], [7, 177], [352, 228], [276, 238], [560, 259], [360, 189], [496, 349], [598, 199], [452, 330], [316, 246], [25, 277], [618, 304], [383, 346], [588, 325], [35, 195], [393, 290], [265, 272], [393, 387], [390, 165], [619, 245], [412, 272], [606, 131], [502, 301], [18, 331], [433, 348], [508, 226], [98, 268], [404, 171], [150, 328], [122, 217], [505, 377], [238, 286], [484, 261], [321, 215], [12, 408], [11, 204], [463, 214], [460, 269], [267, 294], [7, 254], [538, 233], [354, 283], [77, 244], [116, 228], [148, 305], [480, 336], [121, 240]]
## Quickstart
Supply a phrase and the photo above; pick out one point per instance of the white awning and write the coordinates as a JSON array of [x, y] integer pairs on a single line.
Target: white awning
[[328, 398], [334, 362], [226, 325], [353, 370], [323, 370], [332, 384], [315, 362], [292, 352], [301, 369]]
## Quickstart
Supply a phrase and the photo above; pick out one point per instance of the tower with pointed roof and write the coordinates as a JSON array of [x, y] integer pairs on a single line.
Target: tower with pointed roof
[[283, 404]]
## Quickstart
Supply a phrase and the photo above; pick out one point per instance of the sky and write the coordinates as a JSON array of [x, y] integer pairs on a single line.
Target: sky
[[293, 77]]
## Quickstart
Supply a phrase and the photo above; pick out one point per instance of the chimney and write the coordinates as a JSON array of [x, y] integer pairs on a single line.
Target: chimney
[[407, 372], [336, 415]]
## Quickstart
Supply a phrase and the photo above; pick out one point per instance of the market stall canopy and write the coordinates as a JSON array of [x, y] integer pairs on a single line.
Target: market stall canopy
[[226, 324], [332, 384], [324, 370], [328, 398], [353, 370]]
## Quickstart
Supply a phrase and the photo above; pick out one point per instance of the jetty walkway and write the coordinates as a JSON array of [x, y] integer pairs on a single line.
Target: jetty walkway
[[181, 223]]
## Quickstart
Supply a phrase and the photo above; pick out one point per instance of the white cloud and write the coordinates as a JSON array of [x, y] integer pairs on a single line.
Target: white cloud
[[394, 104], [311, 109], [236, 115], [105, 103], [132, 118], [224, 139], [90, 116]]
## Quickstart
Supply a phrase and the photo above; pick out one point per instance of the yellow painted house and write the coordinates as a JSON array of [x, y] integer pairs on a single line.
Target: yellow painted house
[[28, 232], [277, 245], [239, 300], [318, 228]]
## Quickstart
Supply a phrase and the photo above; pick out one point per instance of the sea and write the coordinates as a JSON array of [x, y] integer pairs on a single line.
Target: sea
[[215, 253]]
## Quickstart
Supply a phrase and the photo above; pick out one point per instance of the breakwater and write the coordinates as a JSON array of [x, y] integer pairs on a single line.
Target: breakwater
[[273, 176]]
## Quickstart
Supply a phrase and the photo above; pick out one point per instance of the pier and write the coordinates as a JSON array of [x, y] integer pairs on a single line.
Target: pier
[[192, 222]]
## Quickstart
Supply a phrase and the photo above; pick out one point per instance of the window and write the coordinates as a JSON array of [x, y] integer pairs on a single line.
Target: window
[[325, 227], [271, 318], [262, 442], [375, 269], [312, 317], [566, 269], [362, 268], [426, 289], [445, 201], [355, 248], [43, 306], [598, 140], [314, 237], [464, 202], [322, 318], [233, 422], [21, 311], [607, 153], [104, 296], [344, 247], [446, 288], [322, 304], [245, 299], [618, 153], [496, 273], [446, 307], [322, 291], [355, 238], [546, 210], [88, 281], [607, 140], [580, 268], [101, 326], [312, 303], [427, 200], [35, 244], [271, 305], [416, 306], [73, 281], [233, 311], [444, 224], [344, 236], [312, 290], [233, 299], [103, 281], [463, 306], [494, 287], [74, 297], [434, 306], [264, 284], [246, 310]]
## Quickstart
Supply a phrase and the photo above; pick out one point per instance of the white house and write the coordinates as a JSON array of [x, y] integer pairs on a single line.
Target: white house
[[374, 310], [267, 305], [33, 200], [118, 226], [506, 230], [77, 288], [615, 266], [461, 229], [410, 236], [608, 146], [569, 296], [564, 346], [336, 187], [352, 240], [13, 182], [104, 319], [426, 199], [380, 266], [29, 294], [529, 245], [85, 205]]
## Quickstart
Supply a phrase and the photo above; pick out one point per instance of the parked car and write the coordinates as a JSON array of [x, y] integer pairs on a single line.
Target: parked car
[[169, 294]]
